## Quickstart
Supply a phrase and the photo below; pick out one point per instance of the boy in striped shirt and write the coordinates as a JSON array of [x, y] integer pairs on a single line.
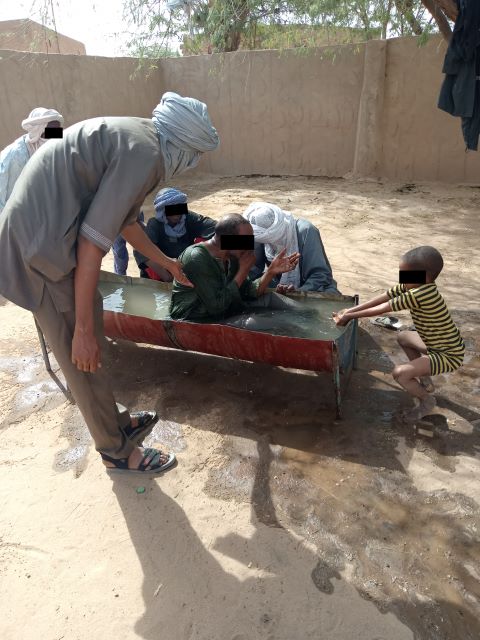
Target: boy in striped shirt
[[436, 346]]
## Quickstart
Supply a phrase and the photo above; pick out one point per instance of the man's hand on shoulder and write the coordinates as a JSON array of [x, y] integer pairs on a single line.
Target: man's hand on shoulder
[[176, 269]]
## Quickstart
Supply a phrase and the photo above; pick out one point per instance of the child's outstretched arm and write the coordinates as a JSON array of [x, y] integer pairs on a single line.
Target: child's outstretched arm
[[374, 302], [375, 307]]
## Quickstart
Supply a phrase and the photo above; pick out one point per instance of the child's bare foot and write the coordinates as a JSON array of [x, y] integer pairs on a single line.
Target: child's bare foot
[[423, 409], [401, 413], [427, 384]]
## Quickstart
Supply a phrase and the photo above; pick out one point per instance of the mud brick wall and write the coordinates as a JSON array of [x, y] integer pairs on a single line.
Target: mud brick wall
[[365, 110]]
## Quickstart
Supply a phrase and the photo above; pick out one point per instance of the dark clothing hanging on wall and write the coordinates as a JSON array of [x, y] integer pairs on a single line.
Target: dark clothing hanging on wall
[[460, 93]]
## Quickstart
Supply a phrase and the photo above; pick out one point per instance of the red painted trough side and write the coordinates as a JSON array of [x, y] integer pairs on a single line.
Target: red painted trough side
[[221, 340]]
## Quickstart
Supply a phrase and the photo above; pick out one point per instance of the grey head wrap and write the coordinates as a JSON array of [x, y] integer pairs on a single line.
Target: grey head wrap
[[184, 130]]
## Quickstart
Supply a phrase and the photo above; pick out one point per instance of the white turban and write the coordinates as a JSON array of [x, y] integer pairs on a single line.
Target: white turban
[[277, 230], [35, 125], [184, 130]]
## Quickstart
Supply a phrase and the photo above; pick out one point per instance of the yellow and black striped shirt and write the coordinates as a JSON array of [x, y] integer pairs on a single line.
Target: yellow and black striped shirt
[[430, 316]]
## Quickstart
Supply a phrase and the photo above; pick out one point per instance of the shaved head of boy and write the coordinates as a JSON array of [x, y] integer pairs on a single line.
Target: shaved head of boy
[[424, 258]]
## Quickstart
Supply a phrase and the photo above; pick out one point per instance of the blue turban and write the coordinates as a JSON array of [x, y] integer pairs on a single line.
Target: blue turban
[[166, 197]]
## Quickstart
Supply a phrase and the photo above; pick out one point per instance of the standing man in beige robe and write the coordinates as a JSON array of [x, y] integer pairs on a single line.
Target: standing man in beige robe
[[74, 197]]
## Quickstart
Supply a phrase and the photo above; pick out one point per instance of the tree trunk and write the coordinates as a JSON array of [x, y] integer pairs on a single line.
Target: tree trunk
[[240, 14], [440, 18], [386, 19], [449, 8]]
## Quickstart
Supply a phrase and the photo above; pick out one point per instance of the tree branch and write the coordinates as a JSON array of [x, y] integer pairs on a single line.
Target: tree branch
[[386, 19], [449, 8], [405, 7], [440, 18]]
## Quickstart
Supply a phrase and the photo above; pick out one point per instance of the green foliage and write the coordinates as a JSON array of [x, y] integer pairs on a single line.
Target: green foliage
[[208, 26], [376, 18], [151, 51]]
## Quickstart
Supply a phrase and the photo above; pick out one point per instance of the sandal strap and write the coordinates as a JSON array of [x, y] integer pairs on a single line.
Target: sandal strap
[[143, 417], [146, 420], [154, 455], [120, 463]]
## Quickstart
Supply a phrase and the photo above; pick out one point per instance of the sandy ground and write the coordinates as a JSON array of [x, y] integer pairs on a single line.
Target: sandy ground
[[277, 523]]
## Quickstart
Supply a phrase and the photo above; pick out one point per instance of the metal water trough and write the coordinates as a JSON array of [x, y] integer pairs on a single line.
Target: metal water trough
[[335, 356]]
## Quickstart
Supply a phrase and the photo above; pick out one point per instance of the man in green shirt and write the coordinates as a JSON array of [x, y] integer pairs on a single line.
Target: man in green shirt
[[220, 277]]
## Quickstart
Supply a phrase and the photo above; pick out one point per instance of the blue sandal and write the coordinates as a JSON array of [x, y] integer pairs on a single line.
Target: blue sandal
[[149, 464], [146, 421]]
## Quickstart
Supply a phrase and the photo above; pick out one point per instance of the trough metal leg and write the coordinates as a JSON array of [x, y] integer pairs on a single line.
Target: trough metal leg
[[355, 338], [336, 381], [43, 345]]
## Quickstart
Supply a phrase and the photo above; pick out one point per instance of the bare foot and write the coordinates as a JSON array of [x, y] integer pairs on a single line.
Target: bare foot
[[424, 408], [136, 457], [427, 384], [401, 413]]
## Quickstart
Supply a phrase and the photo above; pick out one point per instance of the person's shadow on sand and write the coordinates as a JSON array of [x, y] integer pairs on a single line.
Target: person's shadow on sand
[[292, 593], [189, 594]]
